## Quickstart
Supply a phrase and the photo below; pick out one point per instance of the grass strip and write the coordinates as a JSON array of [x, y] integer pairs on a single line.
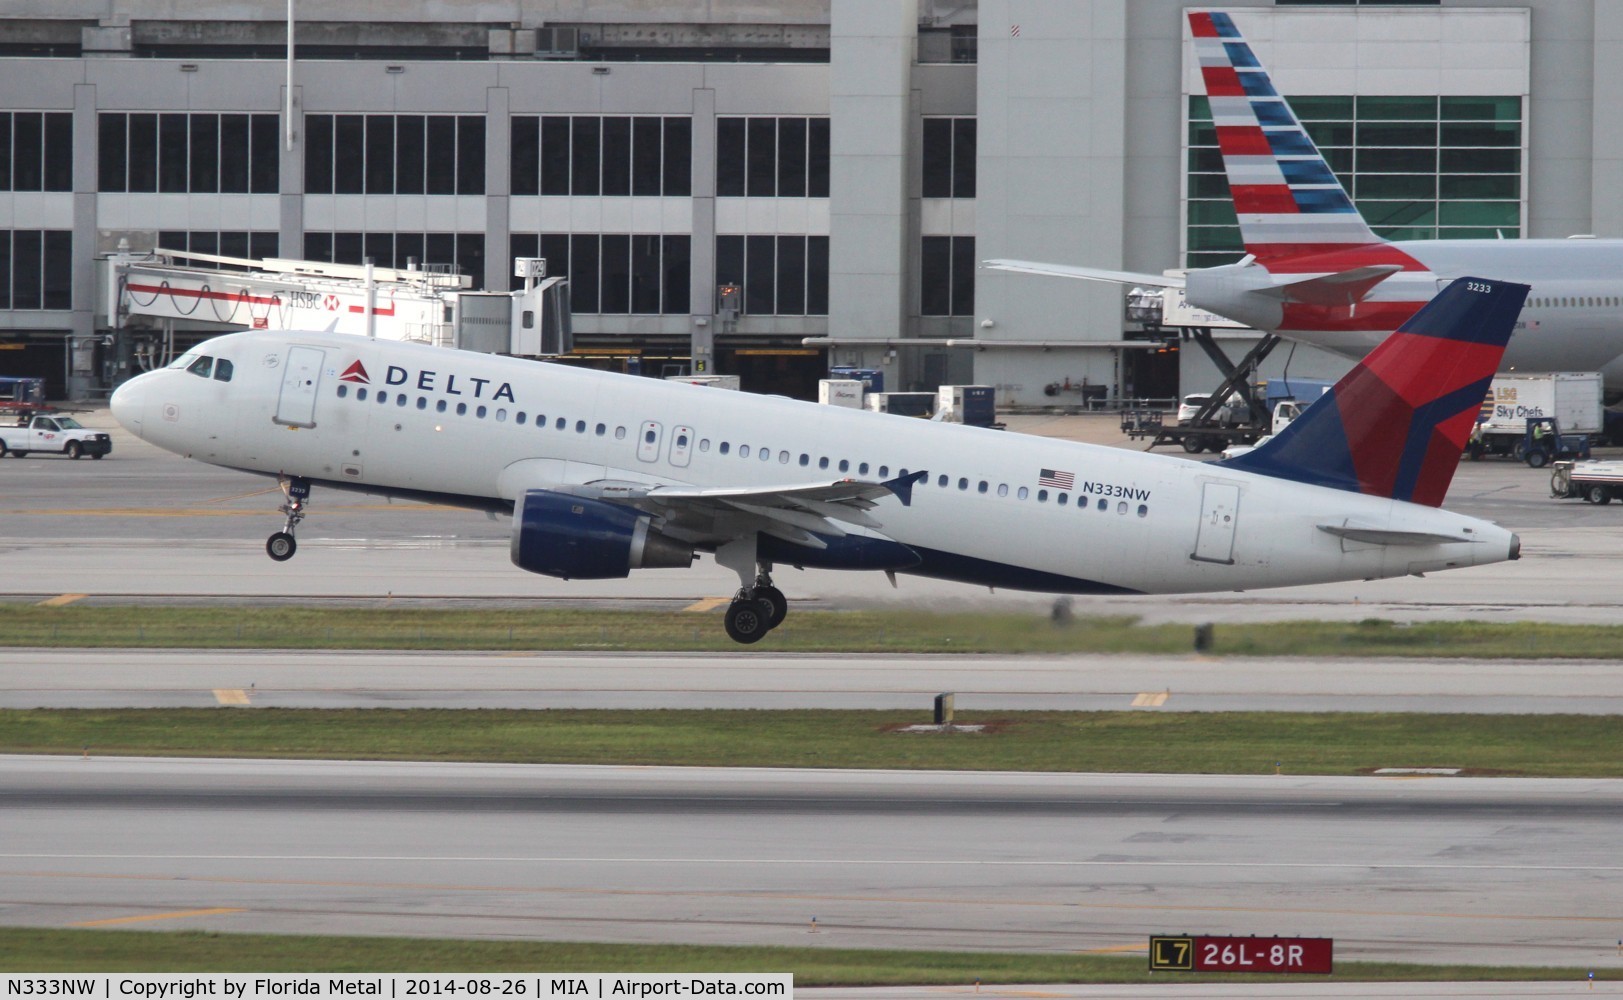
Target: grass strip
[[1338, 743], [314, 627], [24, 949]]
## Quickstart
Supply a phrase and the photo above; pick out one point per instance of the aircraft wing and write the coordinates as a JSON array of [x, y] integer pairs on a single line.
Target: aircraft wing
[[795, 512], [1086, 273]]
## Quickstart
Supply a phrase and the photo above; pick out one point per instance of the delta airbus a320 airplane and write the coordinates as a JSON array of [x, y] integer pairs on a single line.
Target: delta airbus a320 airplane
[[1315, 272], [606, 473]]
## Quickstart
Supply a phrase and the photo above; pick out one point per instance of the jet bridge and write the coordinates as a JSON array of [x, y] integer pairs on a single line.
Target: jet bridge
[[149, 298]]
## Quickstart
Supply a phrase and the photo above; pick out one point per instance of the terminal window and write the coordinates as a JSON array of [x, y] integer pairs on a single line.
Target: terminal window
[[36, 151], [36, 269], [1417, 167], [948, 158], [771, 157], [780, 275], [201, 153], [394, 154], [614, 155], [615, 273], [463, 252]]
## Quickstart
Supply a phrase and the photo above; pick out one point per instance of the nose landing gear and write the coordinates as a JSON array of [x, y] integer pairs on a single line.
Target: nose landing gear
[[282, 544]]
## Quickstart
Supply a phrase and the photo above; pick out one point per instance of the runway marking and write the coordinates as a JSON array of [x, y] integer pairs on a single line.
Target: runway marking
[[61, 599], [1151, 699], [158, 916], [707, 604], [509, 888], [1116, 949], [231, 696]]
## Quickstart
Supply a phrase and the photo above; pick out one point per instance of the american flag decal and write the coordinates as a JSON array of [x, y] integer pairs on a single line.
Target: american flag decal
[[1055, 478]]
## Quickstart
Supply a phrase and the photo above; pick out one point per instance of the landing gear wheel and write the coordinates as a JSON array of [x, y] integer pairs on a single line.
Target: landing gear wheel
[[1598, 494], [281, 546], [746, 621], [776, 605], [74, 451]]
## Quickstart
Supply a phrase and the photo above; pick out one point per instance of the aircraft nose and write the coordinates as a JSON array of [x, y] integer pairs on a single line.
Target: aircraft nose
[[128, 404]]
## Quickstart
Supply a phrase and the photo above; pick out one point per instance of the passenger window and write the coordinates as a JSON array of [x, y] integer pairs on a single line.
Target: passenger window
[[1002, 489], [562, 423], [743, 451], [1063, 499], [580, 427], [401, 400], [805, 460], [822, 463], [982, 487], [941, 481], [783, 458], [1024, 492], [963, 483], [383, 398], [766, 454], [601, 429], [519, 418], [704, 444], [1143, 510], [649, 436], [619, 434], [439, 407], [1104, 504], [1042, 496], [201, 366], [1121, 507], [360, 394], [862, 470], [222, 370], [540, 421], [501, 415], [845, 465], [422, 402], [480, 412], [343, 390], [462, 409], [724, 447], [884, 472]]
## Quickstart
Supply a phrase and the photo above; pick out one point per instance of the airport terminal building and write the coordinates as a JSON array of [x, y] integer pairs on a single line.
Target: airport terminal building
[[839, 166]]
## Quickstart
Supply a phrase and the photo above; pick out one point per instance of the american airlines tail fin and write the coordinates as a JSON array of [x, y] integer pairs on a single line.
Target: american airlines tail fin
[[1396, 424], [1288, 199]]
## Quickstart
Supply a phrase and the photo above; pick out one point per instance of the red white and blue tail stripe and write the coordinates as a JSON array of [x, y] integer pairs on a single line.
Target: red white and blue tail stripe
[[1396, 424], [1287, 198]]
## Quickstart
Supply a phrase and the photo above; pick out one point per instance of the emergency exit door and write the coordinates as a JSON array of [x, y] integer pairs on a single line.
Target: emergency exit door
[[1219, 513], [301, 376]]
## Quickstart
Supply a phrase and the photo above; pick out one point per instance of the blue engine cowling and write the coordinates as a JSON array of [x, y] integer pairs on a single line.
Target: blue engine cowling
[[579, 539]]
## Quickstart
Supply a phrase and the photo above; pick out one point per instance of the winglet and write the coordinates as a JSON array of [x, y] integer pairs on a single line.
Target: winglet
[[902, 486], [1396, 424]]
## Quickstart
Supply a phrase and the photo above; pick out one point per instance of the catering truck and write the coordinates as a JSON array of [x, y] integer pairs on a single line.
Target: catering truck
[[1573, 399]]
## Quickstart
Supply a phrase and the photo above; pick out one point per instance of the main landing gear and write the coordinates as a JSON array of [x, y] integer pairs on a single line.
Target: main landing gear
[[282, 545], [758, 607]]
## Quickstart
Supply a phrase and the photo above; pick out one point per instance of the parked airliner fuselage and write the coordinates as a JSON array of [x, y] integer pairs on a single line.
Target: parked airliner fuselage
[[996, 509]]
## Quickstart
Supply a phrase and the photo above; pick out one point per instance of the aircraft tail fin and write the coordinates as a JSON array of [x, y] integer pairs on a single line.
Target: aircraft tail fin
[[1396, 424], [1287, 197]]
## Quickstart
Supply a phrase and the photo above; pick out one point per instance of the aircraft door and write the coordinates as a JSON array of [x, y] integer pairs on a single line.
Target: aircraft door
[[648, 441], [1219, 512], [681, 446], [301, 376]]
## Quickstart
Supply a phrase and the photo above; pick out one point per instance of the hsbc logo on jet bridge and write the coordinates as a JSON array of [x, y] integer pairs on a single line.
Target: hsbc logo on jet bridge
[[450, 384]]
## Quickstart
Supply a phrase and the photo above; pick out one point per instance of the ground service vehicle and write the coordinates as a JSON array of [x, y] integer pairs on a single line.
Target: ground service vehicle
[[1593, 482], [62, 434], [1572, 399]]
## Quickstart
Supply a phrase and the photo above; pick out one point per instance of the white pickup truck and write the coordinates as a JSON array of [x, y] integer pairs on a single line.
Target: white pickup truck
[[63, 435]]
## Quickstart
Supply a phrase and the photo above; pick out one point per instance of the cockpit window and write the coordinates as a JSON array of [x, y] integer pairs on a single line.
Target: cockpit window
[[222, 370], [202, 366]]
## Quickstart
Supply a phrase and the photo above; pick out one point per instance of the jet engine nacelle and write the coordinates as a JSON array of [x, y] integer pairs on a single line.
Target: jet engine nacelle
[[580, 539]]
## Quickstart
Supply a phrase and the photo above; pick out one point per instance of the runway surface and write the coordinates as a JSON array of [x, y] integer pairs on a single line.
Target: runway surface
[[1495, 871], [74, 678]]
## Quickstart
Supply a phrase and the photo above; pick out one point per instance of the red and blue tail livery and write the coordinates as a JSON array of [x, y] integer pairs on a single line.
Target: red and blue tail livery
[[1422, 388]]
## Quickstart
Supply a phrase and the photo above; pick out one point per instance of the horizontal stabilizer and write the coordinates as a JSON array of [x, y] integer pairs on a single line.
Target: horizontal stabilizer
[[1085, 273], [1385, 536], [1344, 288]]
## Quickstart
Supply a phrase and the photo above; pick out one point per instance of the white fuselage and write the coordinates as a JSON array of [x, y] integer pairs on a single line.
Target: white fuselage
[[1573, 319], [1129, 521]]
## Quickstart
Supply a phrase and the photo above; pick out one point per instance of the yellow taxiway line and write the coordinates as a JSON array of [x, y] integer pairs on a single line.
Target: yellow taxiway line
[[158, 916]]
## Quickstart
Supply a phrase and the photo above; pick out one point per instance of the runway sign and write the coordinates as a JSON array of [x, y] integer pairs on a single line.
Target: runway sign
[[1240, 954]]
